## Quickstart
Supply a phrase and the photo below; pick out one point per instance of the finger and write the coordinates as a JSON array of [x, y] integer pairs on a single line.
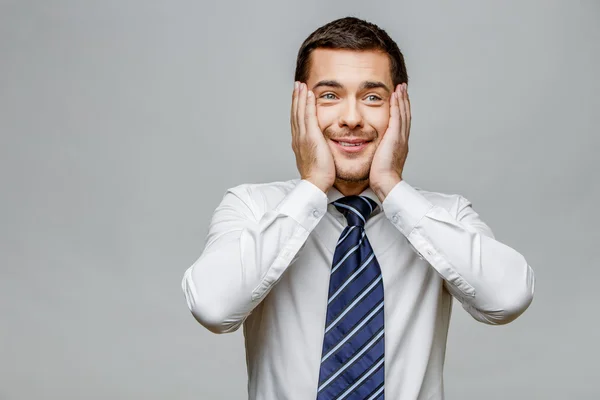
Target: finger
[[394, 113], [402, 107], [301, 110], [398, 98], [311, 112], [408, 113], [294, 110]]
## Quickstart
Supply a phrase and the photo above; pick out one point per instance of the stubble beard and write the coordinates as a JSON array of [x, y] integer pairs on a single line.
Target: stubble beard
[[354, 175]]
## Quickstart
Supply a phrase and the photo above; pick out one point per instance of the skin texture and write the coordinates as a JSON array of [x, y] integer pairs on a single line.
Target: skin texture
[[335, 102]]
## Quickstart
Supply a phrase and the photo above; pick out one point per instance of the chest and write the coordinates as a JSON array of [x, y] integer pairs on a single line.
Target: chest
[[404, 273]]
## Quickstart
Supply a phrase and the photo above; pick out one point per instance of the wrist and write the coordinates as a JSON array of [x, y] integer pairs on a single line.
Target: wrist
[[385, 186], [321, 186]]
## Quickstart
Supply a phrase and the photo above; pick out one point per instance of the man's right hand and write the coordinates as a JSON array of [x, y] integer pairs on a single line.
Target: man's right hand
[[313, 155]]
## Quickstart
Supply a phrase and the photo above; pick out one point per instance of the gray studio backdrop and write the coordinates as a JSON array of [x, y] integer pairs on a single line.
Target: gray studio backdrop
[[122, 123]]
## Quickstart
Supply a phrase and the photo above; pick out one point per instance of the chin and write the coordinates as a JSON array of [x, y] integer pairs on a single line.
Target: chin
[[356, 167], [353, 176]]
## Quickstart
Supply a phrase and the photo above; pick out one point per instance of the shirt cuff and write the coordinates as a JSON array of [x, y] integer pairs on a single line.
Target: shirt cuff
[[306, 204], [405, 207]]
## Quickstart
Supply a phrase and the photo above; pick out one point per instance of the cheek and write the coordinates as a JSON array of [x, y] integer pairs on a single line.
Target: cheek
[[325, 116], [379, 119]]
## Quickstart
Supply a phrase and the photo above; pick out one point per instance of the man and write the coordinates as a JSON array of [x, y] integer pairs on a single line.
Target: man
[[344, 279]]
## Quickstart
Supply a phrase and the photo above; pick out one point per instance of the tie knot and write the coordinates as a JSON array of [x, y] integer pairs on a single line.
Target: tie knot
[[356, 209]]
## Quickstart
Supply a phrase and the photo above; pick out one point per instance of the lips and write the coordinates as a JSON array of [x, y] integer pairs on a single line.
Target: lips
[[351, 140], [352, 149]]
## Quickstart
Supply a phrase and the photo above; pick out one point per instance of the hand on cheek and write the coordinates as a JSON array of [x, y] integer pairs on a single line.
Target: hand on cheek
[[390, 156]]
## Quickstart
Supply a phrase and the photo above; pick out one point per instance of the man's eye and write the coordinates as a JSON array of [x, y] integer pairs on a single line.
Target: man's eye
[[328, 98], [374, 98]]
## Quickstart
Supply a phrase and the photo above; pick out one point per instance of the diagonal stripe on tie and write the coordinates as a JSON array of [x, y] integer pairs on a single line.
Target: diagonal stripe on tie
[[352, 361]]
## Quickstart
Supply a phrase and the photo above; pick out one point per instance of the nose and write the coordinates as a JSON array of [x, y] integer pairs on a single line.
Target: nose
[[350, 115]]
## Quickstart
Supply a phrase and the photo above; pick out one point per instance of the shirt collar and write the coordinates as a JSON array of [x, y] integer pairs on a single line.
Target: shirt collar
[[333, 194]]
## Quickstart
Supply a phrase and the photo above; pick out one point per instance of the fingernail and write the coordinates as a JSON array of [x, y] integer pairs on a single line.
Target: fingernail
[[310, 93], [296, 85]]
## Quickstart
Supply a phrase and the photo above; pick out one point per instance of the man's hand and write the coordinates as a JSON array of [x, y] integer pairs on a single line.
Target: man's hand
[[390, 156], [313, 156]]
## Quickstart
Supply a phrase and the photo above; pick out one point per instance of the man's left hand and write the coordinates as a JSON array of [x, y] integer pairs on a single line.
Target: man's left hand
[[390, 156]]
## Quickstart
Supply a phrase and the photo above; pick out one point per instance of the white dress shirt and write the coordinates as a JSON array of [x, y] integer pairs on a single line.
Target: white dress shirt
[[267, 261]]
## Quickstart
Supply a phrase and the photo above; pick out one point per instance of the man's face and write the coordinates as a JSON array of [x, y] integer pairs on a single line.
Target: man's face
[[353, 91]]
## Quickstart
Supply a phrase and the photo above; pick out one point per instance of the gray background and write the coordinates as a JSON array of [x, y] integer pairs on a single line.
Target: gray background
[[123, 123]]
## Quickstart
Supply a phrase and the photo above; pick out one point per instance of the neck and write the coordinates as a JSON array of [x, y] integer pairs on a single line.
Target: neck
[[351, 188]]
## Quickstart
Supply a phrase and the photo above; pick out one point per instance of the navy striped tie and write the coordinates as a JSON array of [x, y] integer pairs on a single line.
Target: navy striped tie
[[352, 363]]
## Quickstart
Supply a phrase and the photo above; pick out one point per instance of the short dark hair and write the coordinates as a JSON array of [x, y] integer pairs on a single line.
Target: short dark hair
[[351, 33]]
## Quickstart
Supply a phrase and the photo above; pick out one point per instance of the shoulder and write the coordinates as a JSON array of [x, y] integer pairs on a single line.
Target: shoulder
[[274, 189], [260, 197]]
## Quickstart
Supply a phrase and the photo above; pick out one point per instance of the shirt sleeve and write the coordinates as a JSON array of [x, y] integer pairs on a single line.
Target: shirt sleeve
[[245, 254], [493, 282]]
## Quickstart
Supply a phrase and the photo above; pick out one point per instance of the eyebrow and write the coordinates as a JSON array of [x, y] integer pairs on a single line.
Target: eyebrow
[[363, 86]]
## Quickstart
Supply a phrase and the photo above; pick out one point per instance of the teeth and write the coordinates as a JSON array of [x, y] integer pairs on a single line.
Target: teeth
[[349, 144]]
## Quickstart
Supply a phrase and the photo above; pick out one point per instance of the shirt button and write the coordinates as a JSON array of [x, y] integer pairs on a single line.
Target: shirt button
[[315, 213], [395, 218]]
